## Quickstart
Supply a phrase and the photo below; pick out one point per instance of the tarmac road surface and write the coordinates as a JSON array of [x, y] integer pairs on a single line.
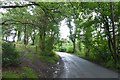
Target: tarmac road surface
[[75, 67]]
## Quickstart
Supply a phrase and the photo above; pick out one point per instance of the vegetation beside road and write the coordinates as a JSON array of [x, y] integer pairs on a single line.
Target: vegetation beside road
[[22, 60]]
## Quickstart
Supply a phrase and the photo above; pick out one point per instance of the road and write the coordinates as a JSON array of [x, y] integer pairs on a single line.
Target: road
[[75, 67]]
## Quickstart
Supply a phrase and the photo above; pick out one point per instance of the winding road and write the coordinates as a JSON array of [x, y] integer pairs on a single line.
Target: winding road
[[75, 67]]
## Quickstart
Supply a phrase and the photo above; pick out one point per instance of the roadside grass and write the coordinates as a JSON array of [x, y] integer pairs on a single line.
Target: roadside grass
[[31, 53], [10, 74], [28, 72], [51, 59], [24, 72], [30, 56]]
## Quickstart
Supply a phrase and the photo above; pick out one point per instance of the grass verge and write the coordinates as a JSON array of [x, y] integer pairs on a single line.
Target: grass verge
[[25, 72], [51, 59]]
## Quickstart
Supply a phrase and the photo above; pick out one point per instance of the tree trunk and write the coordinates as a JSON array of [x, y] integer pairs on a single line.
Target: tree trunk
[[6, 38], [110, 41], [73, 46], [113, 30], [25, 36], [42, 40], [27, 39], [33, 41], [19, 38], [87, 53], [33, 37], [79, 45], [14, 39]]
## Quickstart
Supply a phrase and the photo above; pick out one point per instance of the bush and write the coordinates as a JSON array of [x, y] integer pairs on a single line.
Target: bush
[[102, 53], [110, 64], [9, 54], [69, 49]]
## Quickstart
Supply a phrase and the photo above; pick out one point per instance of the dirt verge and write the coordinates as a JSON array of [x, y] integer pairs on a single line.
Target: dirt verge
[[44, 69]]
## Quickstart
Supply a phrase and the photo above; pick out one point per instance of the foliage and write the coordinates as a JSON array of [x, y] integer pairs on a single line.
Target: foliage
[[110, 64], [9, 54], [102, 53], [69, 49]]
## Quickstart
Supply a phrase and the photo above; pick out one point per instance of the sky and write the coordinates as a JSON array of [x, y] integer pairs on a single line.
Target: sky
[[64, 30]]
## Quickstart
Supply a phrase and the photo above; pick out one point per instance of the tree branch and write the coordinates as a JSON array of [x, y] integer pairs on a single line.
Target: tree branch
[[15, 6], [43, 7], [14, 22]]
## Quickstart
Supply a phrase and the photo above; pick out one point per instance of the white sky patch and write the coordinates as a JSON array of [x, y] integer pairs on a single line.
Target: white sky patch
[[64, 30], [73, 25], [3, 10], [10, 38]]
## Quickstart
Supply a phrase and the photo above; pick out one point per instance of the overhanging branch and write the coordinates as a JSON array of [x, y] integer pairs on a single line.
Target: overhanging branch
[[43, 7], [8, 22], [16, 6]]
